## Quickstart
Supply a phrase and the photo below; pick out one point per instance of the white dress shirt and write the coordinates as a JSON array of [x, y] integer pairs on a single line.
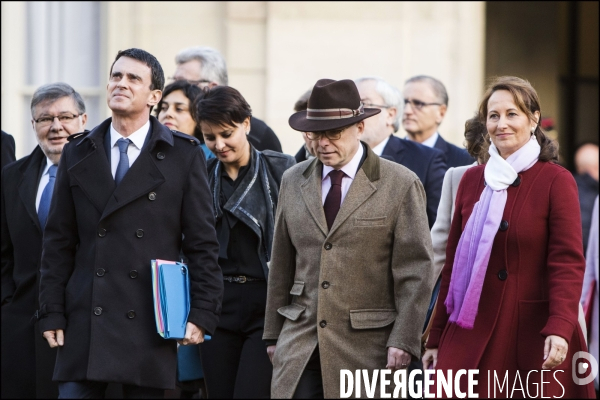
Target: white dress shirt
[[379, 148], [349, 169], [133, 151], [43, 182], [429, 142]]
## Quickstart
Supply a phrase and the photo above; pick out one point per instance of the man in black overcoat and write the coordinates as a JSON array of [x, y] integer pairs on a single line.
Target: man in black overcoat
[[128, 192], [8, 149], [57, 111]]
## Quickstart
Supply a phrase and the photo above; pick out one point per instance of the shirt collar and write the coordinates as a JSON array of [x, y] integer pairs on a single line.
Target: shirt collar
[[48, 164], [431, 141], [379, 148], [349, 169], [138, 137]]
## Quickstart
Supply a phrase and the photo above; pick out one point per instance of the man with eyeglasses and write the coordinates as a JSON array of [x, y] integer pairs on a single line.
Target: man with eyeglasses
[[425, 104], [350, 271], [426, 162], [57, 112], [206, 67]]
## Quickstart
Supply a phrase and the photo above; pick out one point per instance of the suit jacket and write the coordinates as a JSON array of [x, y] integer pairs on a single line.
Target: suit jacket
[[531, 287], [8, 149], [353, 290], [98, 243], [27, 360], [427, 163], [455, 156], [262, 136]]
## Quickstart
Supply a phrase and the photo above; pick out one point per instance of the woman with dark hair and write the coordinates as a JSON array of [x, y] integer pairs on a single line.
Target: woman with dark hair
[[173, 110], [245, 187], [514, 263]]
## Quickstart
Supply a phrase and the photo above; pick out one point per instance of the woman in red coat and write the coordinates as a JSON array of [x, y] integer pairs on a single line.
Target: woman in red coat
[[514, 267]]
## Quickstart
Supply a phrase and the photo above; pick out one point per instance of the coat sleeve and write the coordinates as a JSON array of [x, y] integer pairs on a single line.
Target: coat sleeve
[[7, 259], [412, 256], [441, 316], [441, 228], [434, 180], [58, 252], [565, 261], [200, 247], [281, 270]]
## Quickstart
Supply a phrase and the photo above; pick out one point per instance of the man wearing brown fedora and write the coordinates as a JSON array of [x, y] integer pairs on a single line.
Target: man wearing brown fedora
[[349, 279]]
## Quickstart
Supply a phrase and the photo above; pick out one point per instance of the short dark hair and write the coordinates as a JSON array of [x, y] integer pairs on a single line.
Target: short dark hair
[[475, 139], [190, 91], [55, 91], [221, 105], [156, 71]]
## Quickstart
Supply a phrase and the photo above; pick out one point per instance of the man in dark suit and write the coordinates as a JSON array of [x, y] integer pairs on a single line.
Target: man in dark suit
[[8, 149], [425, 104], [129, 191], [586, 166], [205, 66], [57, 111], [428, 164]]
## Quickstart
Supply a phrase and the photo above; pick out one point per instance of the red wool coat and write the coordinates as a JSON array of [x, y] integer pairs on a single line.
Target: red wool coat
[[531, 288]]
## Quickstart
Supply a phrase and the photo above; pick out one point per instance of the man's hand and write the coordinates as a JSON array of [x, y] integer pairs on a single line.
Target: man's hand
[[555, 351], [397, 359], [193, 335], [271, 352], [429, 357], [55, 338]]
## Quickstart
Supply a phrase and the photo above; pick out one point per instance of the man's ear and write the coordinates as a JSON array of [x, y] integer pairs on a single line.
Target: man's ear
[[442, 113], [83, 120], [155, 97], [392, 113], [212, 85]]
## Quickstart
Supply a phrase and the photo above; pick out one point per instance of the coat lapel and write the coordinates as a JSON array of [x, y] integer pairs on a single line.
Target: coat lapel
[[29, 183], [312, 195], [394, 149], [92, 173]]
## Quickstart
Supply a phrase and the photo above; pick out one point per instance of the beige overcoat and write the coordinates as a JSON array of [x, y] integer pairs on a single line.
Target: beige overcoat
[[356, 289]]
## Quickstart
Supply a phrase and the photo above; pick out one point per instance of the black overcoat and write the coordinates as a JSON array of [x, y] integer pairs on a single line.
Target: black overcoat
[[27, 360], [99, 240]]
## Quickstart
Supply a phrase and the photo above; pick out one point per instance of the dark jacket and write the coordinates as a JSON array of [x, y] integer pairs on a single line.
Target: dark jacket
[[427, 163], [262, 137], [99, 239], [27, 360], [254, 202], [455, 156], [588, 191], [8, 149]]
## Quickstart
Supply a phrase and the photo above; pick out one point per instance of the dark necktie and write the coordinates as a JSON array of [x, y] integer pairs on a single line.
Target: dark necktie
[[334, 197], [44, 207], [123, 165]]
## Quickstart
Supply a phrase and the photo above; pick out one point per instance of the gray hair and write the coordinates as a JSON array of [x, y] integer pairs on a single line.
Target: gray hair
[[54, 91], [213, 64], [392, 97], [438, 87]]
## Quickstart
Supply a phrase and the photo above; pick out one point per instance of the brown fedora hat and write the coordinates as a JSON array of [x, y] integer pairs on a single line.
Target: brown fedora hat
[[332, 105]]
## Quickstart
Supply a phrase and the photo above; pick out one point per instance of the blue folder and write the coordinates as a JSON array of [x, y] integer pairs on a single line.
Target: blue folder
[[174, 287]]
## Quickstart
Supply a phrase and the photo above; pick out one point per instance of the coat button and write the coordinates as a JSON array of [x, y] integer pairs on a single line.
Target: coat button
[[325, 284], [152, 196], [139, 233], [503, 225], [328, 246], [502, 275], [97, 310], [131, 314], [102, 232], [323, 324], [517, 181], [100, 271], [133, 274], [160, 155]]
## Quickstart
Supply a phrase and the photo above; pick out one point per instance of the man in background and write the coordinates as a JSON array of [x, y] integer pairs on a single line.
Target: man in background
[[205, 66], [586, 166], [425, 105], [57, 111], [8, 149], [427, 163]]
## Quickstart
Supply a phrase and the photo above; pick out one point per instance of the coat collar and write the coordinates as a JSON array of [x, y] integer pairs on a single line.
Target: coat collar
[[28, 184], [94, 176], [361, 189], [394, 147]]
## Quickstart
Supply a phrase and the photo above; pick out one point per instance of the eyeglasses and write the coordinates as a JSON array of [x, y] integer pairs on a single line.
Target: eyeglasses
[[47, 120], [190, 81], [418, 104], [331, 134], [371, 105]]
